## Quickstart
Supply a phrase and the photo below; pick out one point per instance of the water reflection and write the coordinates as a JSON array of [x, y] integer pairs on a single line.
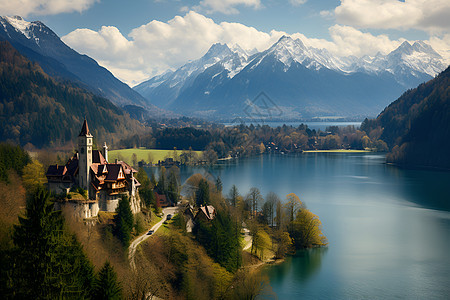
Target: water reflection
[[301, 267]]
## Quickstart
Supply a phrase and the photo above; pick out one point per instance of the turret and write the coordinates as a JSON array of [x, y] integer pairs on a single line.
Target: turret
[[105, 151], [85, 156]]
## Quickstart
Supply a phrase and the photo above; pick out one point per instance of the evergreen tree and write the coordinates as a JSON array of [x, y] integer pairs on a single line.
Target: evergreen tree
[[172, 186], [153, 179], [47, 261], [162, 181], [202, 194], [123, 221], [219, 184], [233, 195], [106, 285], [12, 157], [146, 188], [220, 240]]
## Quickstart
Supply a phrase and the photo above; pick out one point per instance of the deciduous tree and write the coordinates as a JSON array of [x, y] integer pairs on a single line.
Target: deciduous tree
[[307, 230]]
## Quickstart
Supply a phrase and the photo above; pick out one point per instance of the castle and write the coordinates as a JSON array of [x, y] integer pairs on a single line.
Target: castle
[[89, 169]]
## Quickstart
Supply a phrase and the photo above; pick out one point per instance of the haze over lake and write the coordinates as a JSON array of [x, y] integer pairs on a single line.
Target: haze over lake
[[388, 228]]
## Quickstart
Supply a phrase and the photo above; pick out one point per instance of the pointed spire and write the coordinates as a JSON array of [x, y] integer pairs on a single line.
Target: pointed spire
[[85, 129]]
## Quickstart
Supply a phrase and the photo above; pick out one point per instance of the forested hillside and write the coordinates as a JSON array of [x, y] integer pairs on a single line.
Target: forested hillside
[[36, 109], [417, 125]]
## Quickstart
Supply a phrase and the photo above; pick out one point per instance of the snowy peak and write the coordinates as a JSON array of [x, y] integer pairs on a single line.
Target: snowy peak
[[30, 30], [418, 57], [19, 24], [288, 50], [217, 50]]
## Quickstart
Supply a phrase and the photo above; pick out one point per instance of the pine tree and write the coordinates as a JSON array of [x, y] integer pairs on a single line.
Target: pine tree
[[172, 187], [124, 221], [106, 285], [47, 261], [202, 194], [219, 184], [162, 181]]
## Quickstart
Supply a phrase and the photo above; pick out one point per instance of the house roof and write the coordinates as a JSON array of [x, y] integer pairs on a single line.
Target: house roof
[[209, 211], [126, 167], [55, 170], [97, 157], [85, 130], [70, 168]]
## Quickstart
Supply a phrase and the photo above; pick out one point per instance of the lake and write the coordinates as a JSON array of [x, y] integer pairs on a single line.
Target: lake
[[311, 124], [388, 228]]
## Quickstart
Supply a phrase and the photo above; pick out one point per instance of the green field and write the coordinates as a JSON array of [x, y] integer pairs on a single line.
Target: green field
[[336, 151], [143, 154]]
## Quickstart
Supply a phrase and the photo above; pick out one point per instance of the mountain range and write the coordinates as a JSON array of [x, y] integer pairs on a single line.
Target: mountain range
[[297, 81], [40, 44]]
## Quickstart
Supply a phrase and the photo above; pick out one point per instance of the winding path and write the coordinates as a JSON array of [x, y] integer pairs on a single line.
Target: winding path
[[247, 239], [143, 237]]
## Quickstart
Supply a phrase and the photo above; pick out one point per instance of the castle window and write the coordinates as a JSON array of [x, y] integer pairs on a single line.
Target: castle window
[[82, 150]]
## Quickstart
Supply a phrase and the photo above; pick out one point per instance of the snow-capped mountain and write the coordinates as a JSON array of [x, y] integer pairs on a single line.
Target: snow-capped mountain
[[219, 57], [39, 43], [407, 59], [302, 81]]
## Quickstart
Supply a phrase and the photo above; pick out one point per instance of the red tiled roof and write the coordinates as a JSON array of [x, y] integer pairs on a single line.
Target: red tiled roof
[[126, 167]]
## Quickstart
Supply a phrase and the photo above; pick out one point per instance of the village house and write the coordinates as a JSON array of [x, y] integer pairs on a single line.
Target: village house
[[192, 216], [205, 213], [90, 170]]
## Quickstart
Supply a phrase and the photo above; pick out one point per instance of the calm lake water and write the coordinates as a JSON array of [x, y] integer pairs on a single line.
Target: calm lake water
[[388, 228]]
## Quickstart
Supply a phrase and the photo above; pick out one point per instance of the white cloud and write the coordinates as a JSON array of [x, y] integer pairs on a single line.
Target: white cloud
[[43, 7], [326, 14], [427, 15], [227, 6], [297, 2], [154, 47], [157, 46]]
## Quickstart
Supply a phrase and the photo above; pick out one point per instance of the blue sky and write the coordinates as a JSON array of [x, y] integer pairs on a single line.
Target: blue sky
[[141, 38], [273, 14]]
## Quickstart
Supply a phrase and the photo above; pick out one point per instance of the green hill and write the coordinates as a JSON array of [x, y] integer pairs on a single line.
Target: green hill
[[417, 125], [36, 109]]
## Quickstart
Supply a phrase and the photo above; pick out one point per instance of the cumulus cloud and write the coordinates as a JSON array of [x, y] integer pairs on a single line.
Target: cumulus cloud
[[157, 46], [43, 7], [227, 6], [427, 15]]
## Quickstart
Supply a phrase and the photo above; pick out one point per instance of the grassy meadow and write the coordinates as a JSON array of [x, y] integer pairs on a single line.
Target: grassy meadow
[[143, 154]]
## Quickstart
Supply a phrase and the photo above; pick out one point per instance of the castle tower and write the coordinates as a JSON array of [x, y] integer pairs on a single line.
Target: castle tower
[[105, 151], [85, 156]]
